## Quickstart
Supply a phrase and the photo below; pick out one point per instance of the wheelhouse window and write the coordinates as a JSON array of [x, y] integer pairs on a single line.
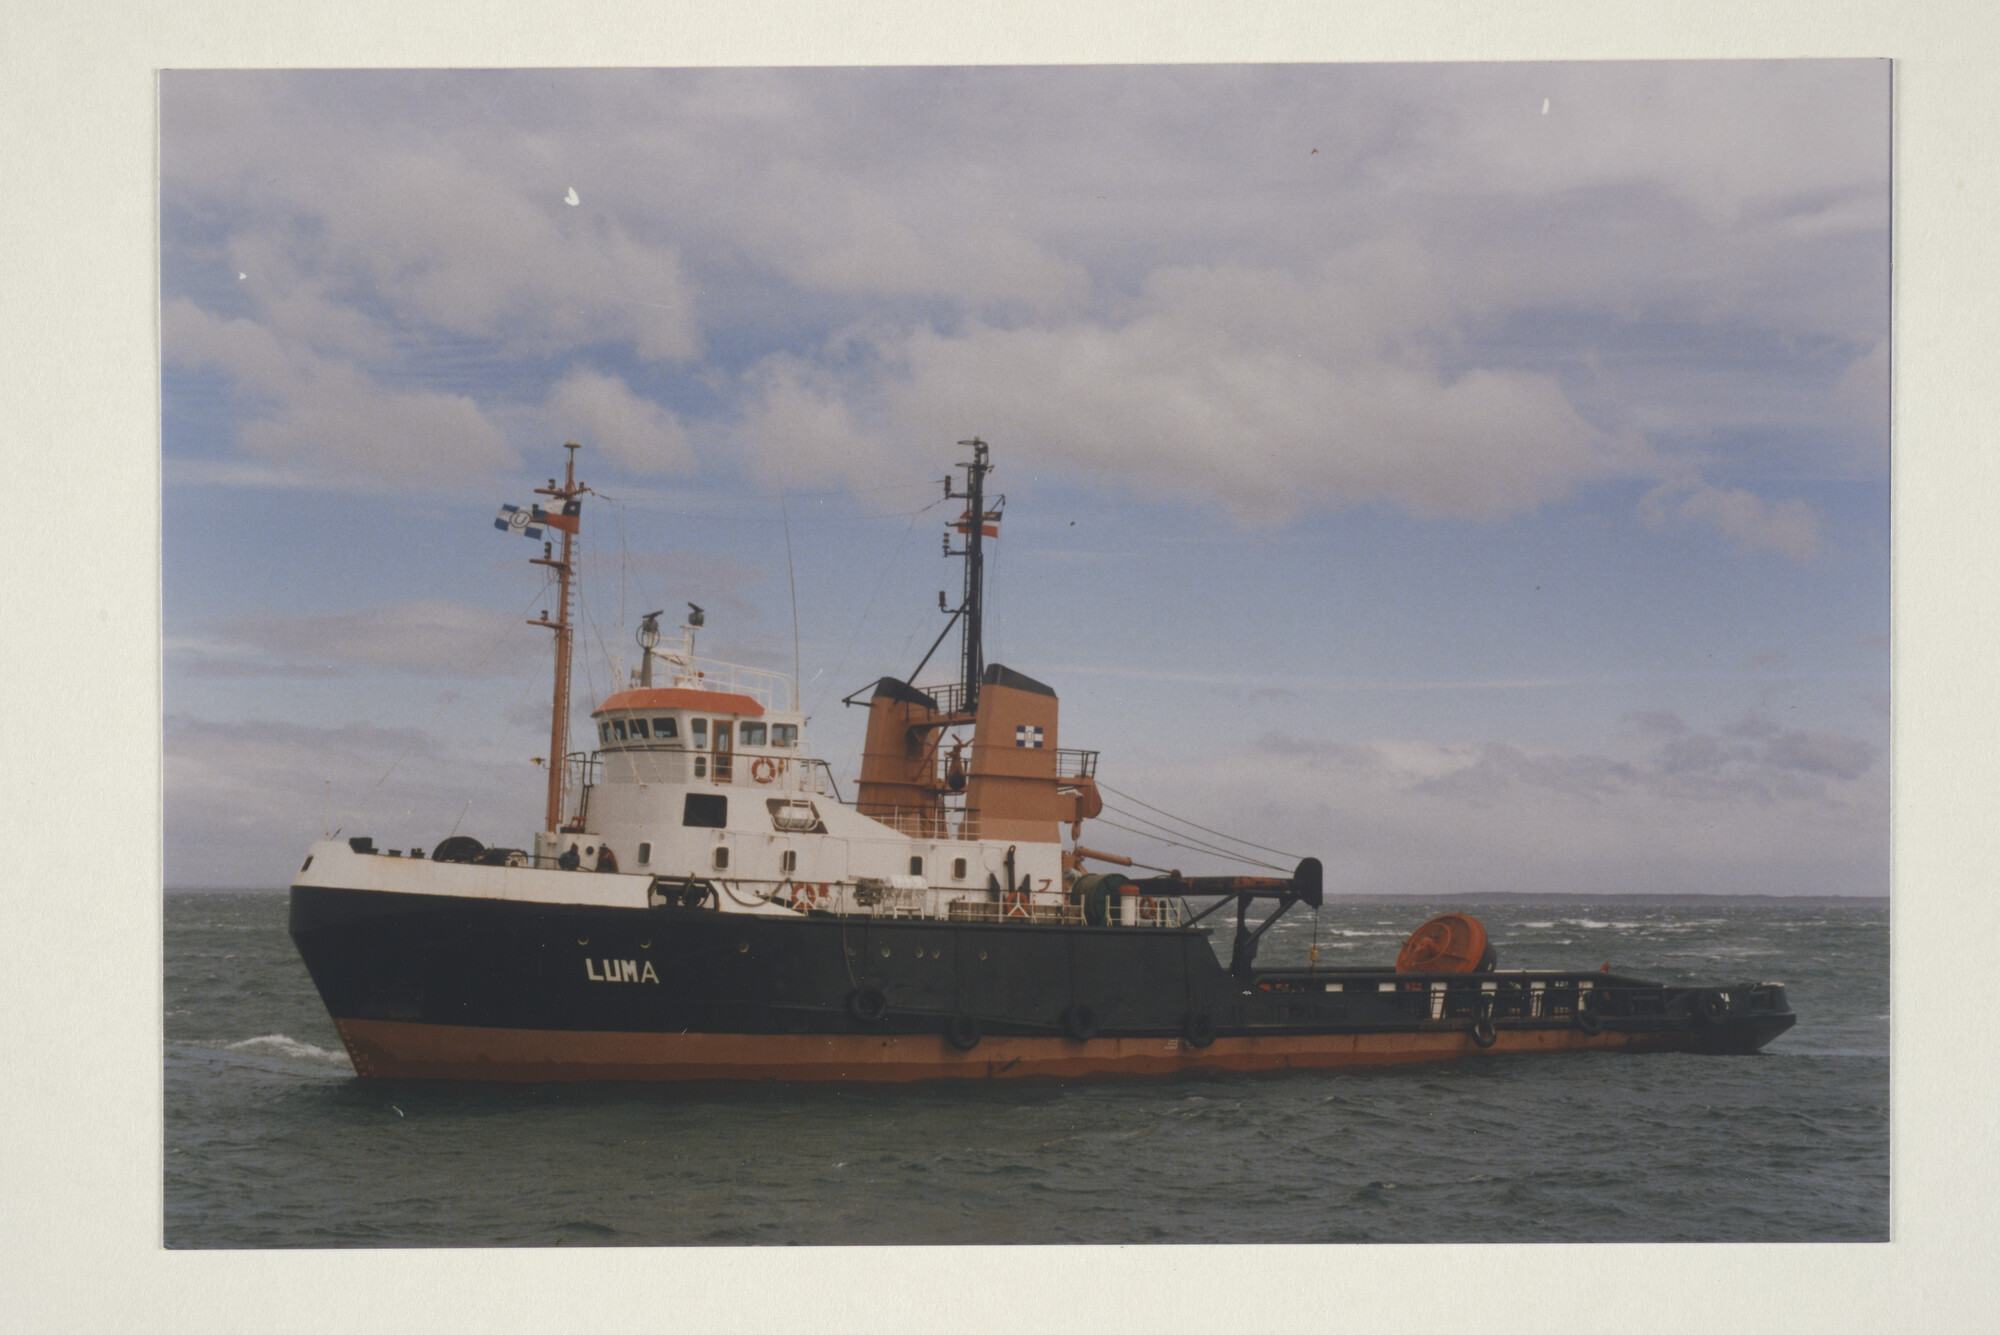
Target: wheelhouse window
[[708, 811], [750, 734], [699, 728], [618, 728], [639, 730], [664, 727], [604, 733], [784, 734]]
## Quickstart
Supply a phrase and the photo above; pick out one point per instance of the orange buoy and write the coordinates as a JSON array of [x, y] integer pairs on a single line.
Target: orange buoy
[[1448, 943]]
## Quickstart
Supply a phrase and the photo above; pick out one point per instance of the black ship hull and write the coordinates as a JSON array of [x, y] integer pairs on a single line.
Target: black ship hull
[[455, 987]]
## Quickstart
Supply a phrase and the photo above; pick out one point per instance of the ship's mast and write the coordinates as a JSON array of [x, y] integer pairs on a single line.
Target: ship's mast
[[972, 653], [561, 498]]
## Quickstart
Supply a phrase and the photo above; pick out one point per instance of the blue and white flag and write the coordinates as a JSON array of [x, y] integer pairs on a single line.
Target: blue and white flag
[[514, 519], [1028, 735]]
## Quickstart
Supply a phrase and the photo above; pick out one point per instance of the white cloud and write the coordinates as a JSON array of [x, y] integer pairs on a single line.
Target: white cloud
[[326, 420], [1683, 813], [427, 637], [602, 411], [1788, 527], [1252, 389], [1079, 260]]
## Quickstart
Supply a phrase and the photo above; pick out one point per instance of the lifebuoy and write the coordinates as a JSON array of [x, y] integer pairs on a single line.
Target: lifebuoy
[[1081, 1021], [1199, 1029], [867, 1004], [1013, 904], [1587, 1018], [962, 1032], [1149, 909], [763, 769]]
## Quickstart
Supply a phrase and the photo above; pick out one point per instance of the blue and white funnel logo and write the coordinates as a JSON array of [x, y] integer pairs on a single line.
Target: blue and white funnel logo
[[1028, 735]]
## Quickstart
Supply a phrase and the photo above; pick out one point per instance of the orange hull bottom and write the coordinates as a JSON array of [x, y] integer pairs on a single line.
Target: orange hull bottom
[[399, 1050]]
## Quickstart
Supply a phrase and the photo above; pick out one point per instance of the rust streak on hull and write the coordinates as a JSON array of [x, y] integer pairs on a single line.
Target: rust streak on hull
[[402, 1050]]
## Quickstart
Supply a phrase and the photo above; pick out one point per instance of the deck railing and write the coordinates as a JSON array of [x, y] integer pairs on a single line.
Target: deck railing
[[929, 822]]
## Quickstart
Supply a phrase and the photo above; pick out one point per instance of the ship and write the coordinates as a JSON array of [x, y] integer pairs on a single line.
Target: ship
[[702, 902]]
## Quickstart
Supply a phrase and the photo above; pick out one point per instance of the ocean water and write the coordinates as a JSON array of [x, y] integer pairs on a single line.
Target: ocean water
[[271, 1140]]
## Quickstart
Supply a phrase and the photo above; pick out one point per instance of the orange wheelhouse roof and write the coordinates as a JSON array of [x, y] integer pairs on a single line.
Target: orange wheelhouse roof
[[682, 697]]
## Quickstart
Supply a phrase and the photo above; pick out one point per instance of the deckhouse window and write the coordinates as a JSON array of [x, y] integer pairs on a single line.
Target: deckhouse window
[[618, 728], [604, 733], [639, 732], [699, 727], [788, 861], [784, 734], [645, 854], [916, 866], [751, 734], [663, 727], [708, 811]]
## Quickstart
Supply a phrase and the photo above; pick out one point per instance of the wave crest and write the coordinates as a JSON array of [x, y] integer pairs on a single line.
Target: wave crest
[[290, 1047]]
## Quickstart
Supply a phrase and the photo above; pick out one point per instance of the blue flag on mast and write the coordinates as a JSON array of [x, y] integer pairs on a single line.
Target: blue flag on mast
[[514, 519]]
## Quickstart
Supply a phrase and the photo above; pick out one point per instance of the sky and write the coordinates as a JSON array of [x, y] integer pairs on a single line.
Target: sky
[[1474, 476]]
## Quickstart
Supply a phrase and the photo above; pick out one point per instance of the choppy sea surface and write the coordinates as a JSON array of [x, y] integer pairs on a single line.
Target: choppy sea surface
[[271, 1140]]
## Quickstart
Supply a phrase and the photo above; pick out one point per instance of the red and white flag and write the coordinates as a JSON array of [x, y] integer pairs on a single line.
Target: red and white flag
[[991, 528], [565, 518]]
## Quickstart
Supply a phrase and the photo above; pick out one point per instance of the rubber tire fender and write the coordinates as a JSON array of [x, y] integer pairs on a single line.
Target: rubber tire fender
[[962, 1032], [1198, 1029], [867, 1005], [1588, 1020], [1484, 1034], [1711, 1008], [1081, 1021]]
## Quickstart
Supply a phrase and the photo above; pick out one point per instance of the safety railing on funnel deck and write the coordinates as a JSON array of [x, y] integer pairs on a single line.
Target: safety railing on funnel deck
[[1076, 764], [950, 697]]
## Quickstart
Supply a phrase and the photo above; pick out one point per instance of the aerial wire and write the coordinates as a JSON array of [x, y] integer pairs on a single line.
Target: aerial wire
[[791, 573], [450, 699], [1203, 828]]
